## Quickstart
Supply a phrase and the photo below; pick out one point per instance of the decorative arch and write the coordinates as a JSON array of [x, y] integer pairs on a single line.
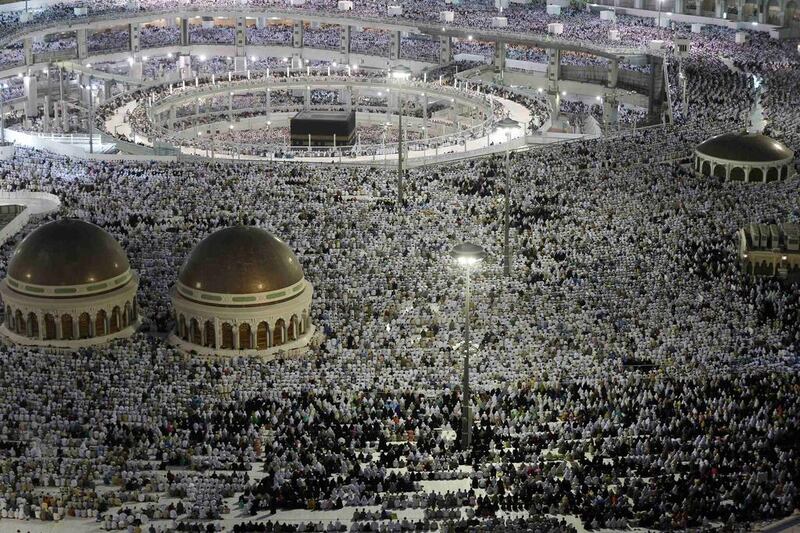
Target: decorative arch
[[195, 334], [756, 175], [127, 316], [774, 13], [182, 330], [279, 332], [211, 336], [115, 321], [772, 173], [262, 336], [49, 327], [792, 14], [84, 329], [100, 320], [245, 337], [720, 171], [706, 168], [737, 174], [19, 323], [33, 326], [227, 336], [67, 329]]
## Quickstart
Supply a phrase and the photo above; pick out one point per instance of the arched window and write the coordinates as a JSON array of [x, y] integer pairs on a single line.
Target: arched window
[[262, 336], [116, 320], [83, 326], [245, 342], [128, 315], [195, 335], [49, 327], [19, 323], [182, 330], [720, 171], [100, 323], [737, 174], [706, 168], [772, 173], [756, 175], [279, 333], [33, 325], [211, 336], [67, 332], [227, 336]]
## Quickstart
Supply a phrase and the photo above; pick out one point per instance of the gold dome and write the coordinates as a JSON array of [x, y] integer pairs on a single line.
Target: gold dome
[[240, 260], [67, 252]]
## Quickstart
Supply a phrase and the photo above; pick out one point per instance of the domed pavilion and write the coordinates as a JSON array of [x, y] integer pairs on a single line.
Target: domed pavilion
[[68, 285], [241, 292], [748, 157]]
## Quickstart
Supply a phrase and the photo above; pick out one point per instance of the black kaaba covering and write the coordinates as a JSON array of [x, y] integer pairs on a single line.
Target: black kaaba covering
[[322, 125]]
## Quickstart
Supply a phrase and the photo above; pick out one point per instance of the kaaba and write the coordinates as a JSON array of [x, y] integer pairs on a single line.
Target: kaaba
[[322, 126]]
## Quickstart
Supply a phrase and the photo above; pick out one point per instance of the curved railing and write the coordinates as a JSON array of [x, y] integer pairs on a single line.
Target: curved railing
[[403, 24], [205, 88]]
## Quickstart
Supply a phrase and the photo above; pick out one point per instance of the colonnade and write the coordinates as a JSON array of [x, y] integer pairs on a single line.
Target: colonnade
[[250, 335]]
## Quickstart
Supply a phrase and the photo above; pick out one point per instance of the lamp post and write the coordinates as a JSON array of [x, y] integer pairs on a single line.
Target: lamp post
[[507, 126], [467, 255], [401, 74], [90, 87], [2, 114]]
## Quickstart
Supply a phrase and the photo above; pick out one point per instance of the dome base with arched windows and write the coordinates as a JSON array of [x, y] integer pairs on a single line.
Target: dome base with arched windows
[[745, 157], [242, 292], [69, 285]]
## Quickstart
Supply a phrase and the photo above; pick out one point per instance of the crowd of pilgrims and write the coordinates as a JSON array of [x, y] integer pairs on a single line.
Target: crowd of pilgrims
[[625, 375], [620, 375]]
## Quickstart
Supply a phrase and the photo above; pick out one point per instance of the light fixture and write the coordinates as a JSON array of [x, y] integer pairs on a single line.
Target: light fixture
[[468, 254]]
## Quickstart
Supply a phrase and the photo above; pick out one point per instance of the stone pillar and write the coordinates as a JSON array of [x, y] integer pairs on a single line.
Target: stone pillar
[[499, 56], [553, 74], [613, 73], [108, 89], [445, 50], [217, 333], [719, 8], [235, 331], [269, 103], [59, 329], [638, 4], [230, 108], [394, 50], [679, 6], [135, 32], [172, 116], [307, 98], [137, 70], [655, 96], [344, 44], [185, 41], [297, 34], [345, 98], [425, 111], [185, 66], [27, 46], [610, 109], [240, 38], [31, 96], [83, 47], [261, 22]]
